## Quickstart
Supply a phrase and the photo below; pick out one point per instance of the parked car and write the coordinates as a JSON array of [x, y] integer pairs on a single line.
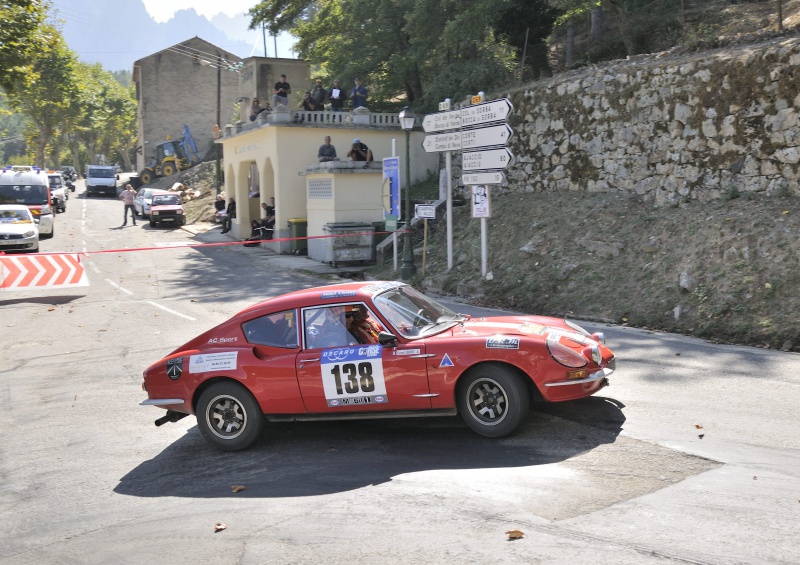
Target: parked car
[[58, 191], [371, 350], [18, 230], [144, 198], [167, 209]]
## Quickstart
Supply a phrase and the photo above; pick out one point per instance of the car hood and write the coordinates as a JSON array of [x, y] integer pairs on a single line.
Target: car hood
[[16, 229], [534, 327]]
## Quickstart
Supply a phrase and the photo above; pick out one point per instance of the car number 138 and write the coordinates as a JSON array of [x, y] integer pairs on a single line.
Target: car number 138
[[353, 376]]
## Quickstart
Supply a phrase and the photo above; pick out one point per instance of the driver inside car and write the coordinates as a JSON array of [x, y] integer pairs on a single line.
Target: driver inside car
[[326, 327]]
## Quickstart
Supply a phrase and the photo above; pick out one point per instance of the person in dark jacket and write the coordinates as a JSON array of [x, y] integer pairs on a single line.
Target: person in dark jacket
[[228, 220]]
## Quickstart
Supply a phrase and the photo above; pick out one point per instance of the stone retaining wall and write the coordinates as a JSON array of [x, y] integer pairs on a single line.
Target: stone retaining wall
[[668, 128]]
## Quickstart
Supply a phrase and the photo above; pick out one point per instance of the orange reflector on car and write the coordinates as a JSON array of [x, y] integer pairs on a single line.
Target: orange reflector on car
[[575, 375]]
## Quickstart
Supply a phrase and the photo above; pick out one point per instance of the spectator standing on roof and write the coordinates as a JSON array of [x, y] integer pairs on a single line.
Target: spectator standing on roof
[[127, 197], [359, 152], [281, 92], [327, 152], [320, 95], [358, 96], [337, 97], [308, 103]]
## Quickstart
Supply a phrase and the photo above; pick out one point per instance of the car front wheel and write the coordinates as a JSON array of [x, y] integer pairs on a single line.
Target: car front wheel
[[229, 416], [492, 400]]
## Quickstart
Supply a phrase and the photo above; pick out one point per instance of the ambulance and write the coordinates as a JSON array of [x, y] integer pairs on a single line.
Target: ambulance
[[29, 186]]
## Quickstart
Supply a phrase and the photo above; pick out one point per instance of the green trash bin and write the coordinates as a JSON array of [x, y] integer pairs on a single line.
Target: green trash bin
[[298, 227]]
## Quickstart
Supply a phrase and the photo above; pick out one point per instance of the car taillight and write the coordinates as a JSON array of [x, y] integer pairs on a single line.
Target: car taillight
[[564, 355]]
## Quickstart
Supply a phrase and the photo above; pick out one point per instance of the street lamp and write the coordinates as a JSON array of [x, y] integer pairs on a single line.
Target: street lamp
[[407, 269]]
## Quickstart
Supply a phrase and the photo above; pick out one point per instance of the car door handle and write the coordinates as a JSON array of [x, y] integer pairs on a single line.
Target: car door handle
[[302, 361]]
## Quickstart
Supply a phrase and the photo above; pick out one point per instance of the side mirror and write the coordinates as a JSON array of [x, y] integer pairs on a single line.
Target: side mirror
[[387, 340]]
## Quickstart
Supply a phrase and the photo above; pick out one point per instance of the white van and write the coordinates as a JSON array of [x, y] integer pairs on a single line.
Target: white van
[[29, 186], [101, 179]]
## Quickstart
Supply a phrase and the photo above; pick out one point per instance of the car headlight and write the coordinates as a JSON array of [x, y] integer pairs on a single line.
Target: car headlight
[[564, 355], [155, 212], [593, 352], [29, 233], [46, 209]]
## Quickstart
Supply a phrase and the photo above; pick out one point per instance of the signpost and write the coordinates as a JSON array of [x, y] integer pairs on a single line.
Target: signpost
[[442, 121], [481, 168], [494, 111], [485, 160], [494, 177], [427, 212], [449, 141], [467, 139], [485, 136]]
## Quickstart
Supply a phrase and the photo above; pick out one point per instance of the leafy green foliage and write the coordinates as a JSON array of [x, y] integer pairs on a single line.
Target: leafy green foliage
[[22, 35], [409, 52]]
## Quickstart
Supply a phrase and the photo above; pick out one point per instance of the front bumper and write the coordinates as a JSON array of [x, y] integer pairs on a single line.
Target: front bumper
[[18, 243]]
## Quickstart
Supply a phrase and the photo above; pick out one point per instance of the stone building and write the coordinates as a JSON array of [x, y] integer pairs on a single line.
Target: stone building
[[179, 86]]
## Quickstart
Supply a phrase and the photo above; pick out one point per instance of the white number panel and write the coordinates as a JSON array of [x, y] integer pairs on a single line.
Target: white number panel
[[353, 376]]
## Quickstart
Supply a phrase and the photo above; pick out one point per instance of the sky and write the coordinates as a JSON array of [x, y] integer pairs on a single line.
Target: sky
[[162, 10]]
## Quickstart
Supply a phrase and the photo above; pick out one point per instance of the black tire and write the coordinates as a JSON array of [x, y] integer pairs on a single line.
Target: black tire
[[229, 417], [168, 169], [146, 176], [492, 400], [152, 224]]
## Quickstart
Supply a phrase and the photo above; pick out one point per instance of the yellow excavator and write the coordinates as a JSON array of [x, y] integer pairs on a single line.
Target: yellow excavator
[[171, 157]]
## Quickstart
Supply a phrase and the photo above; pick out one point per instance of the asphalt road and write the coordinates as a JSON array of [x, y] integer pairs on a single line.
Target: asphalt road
[[691, 456]]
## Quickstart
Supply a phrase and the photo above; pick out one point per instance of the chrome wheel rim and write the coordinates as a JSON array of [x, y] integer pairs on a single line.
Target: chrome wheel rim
[[487, 401], [226, 417]]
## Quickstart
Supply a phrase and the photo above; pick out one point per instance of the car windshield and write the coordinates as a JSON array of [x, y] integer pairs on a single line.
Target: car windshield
[[165, 200], [102, 173], [56, 181], [30, 195], [413, 314], [15, 217]]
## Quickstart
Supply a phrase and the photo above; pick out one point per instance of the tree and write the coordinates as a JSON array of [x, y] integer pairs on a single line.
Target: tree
[[45, 95], [102, 117], [23, 33], [420, 50], [525, 24]]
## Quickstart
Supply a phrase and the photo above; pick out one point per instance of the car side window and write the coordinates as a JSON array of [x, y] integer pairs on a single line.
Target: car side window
[[275, 330], [326, 327]]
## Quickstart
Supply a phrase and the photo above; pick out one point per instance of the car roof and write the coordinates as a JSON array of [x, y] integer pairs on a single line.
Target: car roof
[[23, 175], [320, 295]]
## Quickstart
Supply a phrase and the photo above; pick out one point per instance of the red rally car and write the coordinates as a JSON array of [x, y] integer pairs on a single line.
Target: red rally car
[[371, 350]]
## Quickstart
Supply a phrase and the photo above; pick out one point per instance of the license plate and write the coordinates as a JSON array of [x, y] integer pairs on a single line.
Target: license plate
[[167, 219]]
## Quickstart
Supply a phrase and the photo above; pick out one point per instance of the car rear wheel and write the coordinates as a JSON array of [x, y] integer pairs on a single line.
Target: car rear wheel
[[492, 400], [229, 416], [168, 169]]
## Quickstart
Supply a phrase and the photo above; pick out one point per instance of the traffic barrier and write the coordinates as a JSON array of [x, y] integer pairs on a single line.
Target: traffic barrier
[[64, 270], [30, 272]]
